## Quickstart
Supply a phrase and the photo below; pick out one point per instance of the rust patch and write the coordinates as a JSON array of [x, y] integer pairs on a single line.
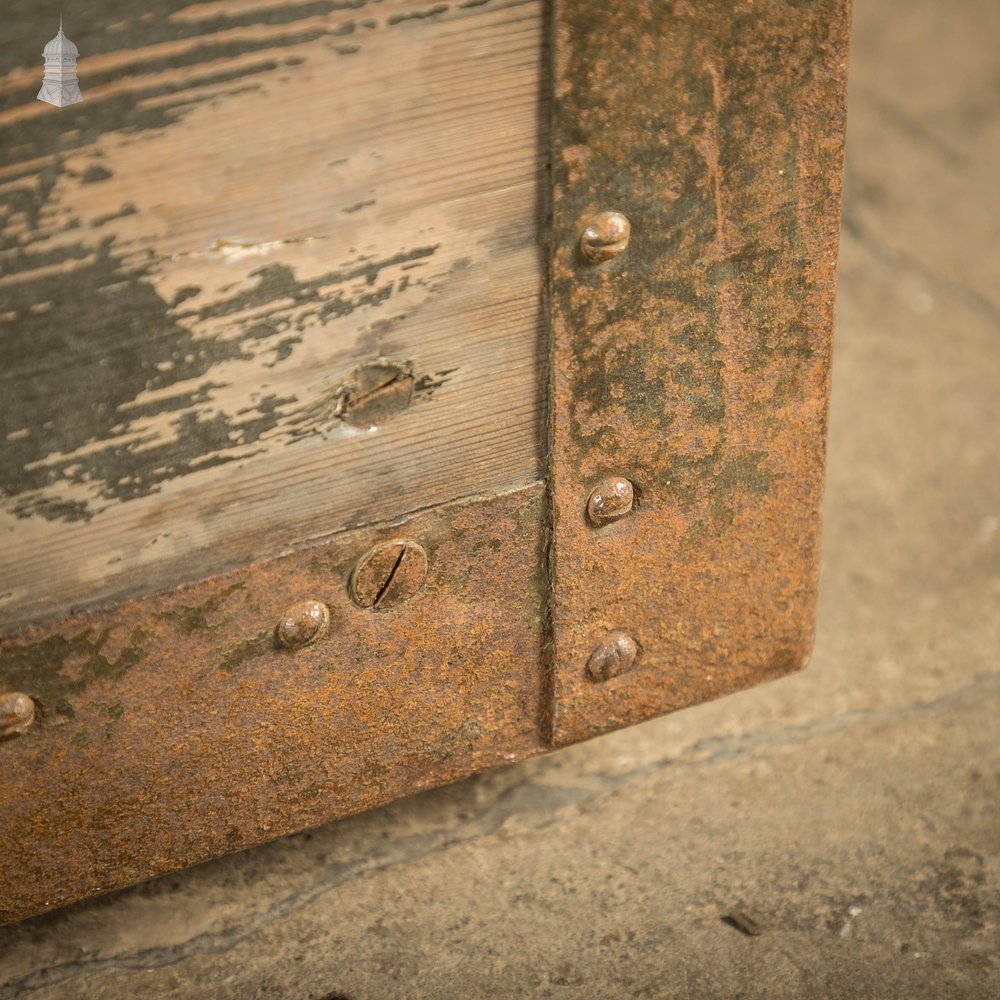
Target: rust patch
[[210, 736], [694, 364]]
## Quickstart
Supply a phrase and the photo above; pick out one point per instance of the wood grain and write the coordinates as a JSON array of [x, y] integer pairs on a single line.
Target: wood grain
[[254, 201]]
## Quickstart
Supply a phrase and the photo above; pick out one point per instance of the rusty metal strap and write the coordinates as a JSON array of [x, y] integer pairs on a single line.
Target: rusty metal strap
[[192, 723], [696, 197]]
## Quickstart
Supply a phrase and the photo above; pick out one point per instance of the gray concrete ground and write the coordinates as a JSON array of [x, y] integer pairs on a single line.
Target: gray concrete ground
[[853, 811]]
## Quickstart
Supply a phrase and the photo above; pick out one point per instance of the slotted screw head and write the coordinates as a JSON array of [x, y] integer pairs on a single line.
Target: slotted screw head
[[17, 713], [303, 623], [611, 499], [606, 236], [615, 654], [388, 574]]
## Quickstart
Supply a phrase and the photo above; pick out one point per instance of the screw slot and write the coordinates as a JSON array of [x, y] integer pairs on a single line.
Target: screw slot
[[389, 574]]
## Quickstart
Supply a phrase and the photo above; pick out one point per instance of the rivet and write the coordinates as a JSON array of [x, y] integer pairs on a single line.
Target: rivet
[[614, 655], [17, 713], [388, 574], [606, 236], [611, 499], [303, 623]]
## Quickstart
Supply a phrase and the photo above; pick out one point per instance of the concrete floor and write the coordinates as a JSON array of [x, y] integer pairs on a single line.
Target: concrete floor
[[853, 811]]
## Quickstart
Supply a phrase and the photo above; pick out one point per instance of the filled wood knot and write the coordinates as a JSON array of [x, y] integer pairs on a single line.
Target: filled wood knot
[[381, 389], [606, 236], [616, 653], [303, 623], [17, 713], [611, 499]]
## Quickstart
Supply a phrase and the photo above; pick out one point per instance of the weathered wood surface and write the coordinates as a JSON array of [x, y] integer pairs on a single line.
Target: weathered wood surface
[[253, 201]]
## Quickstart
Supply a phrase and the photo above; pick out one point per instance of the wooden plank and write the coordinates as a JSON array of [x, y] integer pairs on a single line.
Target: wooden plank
[[253, 202]]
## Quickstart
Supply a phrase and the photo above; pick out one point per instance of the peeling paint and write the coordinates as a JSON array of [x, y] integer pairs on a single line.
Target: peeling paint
[[696, 362], [189, 274]]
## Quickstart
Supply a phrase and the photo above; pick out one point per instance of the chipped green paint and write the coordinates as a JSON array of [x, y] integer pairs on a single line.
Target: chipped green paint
[[418, 15], [75, 372]]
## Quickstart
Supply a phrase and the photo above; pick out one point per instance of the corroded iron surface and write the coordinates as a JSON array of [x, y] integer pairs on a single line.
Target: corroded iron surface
[[180, 727], [694, 360]]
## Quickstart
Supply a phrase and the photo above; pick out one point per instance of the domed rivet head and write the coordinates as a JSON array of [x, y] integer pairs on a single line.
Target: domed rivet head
[[17, 713], [303, 623], [606, 236], [611, 499], [388, 574], [615, 654]]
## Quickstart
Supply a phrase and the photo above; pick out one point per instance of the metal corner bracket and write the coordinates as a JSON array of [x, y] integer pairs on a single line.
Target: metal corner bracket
[[669, 557]]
